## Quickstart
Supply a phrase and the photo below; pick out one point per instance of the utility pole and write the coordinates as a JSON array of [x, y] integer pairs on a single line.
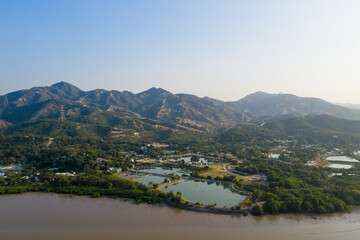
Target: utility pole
[[62, 114]]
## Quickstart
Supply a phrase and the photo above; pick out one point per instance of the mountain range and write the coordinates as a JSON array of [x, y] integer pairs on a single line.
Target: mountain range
[[158, 108]]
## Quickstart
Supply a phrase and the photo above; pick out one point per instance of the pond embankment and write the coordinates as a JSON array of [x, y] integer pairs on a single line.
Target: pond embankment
[[199, 208]]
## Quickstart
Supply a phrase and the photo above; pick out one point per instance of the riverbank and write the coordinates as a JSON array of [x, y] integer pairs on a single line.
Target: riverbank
[[90, 191], [199, 208]]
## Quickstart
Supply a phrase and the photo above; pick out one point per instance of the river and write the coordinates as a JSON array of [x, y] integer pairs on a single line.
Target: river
[[51, 216]]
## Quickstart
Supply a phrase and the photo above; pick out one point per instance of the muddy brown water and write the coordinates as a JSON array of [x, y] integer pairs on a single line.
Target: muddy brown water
[[53, 216]]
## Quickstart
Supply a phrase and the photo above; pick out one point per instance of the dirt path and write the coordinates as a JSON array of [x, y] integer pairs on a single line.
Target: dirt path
[[170, 183], [227, 171]]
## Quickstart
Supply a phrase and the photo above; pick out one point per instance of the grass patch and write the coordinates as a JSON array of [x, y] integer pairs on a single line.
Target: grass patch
[[217, 171]]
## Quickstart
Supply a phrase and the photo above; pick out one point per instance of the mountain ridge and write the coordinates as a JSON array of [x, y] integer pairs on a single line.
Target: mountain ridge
[[272, 105], [185, 110]]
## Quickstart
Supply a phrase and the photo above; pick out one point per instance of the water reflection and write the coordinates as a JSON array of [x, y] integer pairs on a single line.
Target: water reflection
[[150, 179], [206, 192]]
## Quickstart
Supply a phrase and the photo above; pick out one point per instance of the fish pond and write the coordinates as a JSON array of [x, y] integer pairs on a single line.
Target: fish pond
[[341, 162], [340, 166], [342, 159], [159, 170], [206, 192], [149, 179]]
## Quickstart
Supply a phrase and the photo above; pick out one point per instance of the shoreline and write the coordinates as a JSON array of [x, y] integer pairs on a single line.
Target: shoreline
[[213, 210], [170, 204]]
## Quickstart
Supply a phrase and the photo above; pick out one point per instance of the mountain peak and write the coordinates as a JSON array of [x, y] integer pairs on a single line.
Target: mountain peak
[[154, 92], [66, 90], [257, 96], [63, 85]]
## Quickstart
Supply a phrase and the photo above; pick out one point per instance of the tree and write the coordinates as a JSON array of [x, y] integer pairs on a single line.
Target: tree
[[294, 204], [61, 181], [48, 176], [257, 210], [195, 158], [272, 206]]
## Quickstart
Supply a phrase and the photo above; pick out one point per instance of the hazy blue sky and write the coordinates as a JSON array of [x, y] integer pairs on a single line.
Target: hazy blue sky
[[221, 49]]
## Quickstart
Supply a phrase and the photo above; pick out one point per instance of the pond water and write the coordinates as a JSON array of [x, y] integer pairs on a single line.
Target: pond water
[[51, 216], [342, 159], [159, 170], [130, 176], [206, 193], [340, 166], [184, 173], [147, 179]]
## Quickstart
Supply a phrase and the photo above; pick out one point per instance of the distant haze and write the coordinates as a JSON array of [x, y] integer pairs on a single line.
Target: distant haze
[[220, 49], [349, 105]]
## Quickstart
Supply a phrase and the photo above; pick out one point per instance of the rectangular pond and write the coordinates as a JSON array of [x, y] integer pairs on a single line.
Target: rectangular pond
[[149, 179], [206, 193], [185, 173], [342, 159], [340, 166], [159, 170]]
